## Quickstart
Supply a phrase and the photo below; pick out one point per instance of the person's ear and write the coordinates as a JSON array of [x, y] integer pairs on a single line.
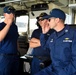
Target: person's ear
[[57, 20]]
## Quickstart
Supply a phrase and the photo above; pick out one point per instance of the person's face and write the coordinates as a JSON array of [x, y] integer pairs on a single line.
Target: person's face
[[9, 16], [43, 22], [52, 22]]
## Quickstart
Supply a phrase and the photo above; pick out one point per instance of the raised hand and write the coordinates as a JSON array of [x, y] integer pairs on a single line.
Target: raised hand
[[45, 28]]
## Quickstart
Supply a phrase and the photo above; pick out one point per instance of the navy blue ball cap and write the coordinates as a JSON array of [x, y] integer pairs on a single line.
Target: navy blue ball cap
[[57, 13], [9, 9]]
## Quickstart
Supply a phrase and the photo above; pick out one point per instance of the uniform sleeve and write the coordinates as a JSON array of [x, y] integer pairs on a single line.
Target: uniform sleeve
[[48, 34], [34, 34], [44, 41], [2, 25], [16, 29]]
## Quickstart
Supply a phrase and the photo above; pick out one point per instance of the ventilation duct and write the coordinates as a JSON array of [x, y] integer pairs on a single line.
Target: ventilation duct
[[36, 7], [21, 12]]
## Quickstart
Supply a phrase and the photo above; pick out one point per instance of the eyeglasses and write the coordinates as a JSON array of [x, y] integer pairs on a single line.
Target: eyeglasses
[[40, 19], [49, 20]]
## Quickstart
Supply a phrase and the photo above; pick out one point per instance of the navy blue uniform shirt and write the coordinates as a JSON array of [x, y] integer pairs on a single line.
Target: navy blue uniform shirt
[[39, 51], [9, 43], [62, 47]]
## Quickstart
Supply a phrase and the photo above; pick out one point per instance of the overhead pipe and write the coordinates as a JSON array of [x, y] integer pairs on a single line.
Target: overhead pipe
[[9, 1]]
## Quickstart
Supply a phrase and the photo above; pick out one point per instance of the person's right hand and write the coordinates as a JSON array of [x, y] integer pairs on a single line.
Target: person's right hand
[[45, 28], [9, 19]]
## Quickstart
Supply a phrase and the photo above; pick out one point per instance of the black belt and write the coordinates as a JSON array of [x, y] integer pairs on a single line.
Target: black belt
[[3, 54]]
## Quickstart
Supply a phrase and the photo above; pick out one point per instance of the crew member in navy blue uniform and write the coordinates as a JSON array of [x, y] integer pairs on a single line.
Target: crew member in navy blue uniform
[[38, 52], [62, 45], [9, 60]]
